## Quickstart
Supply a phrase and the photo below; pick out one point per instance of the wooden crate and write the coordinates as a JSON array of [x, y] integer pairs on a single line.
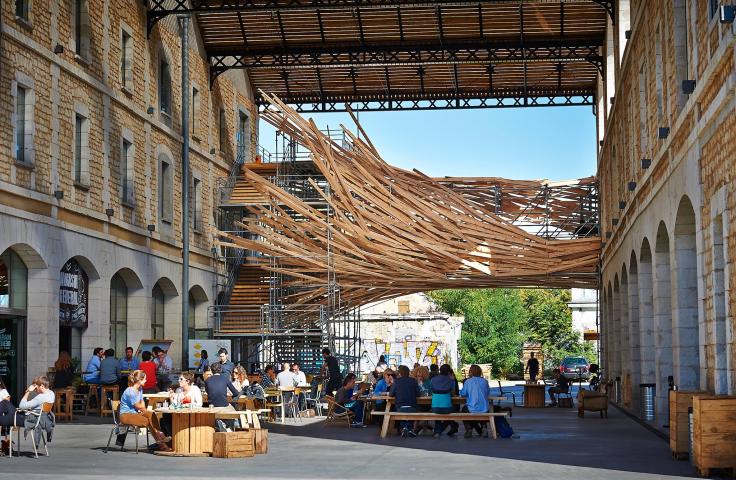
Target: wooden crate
[[233, 444], [714, 433], [260, 440], [680, 401]]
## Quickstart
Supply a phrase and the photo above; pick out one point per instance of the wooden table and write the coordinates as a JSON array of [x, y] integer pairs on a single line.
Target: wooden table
[[154, 399], [534, 395]]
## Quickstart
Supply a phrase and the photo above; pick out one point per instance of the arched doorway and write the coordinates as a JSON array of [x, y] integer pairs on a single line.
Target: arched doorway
[[161, 309], [197, 314], [646, 314], [634, 330], [13, 311], [662, 320], [73, 307], [686, 338]]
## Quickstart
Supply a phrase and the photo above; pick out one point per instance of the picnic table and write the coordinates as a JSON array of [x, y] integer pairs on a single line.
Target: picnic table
[[423, 400]]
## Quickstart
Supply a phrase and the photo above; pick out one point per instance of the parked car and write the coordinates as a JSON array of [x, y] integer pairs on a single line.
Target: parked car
[[574, 368]]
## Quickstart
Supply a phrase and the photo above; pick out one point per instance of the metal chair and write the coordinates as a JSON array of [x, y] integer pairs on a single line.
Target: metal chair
[[120, 428], [274, 399], [506, 394], [47, 408], [316, 400], [292, 404]]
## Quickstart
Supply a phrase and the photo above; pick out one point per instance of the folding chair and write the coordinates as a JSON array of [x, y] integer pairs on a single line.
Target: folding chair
[[120, 429], [316, 400], [333, 415], [47, 408]]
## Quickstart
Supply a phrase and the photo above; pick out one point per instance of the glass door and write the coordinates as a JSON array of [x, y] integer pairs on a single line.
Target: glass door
[[12, 354]]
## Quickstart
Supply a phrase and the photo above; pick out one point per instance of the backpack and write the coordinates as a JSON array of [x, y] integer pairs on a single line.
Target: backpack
[[503, 428]]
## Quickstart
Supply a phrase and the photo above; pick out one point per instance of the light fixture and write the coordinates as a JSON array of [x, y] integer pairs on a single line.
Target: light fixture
[[151, 227], [612, 100], [688, 86], [150, 110], [726, 13], [621, 204], [59, 194], [603, 244], [627, 34], [609, 234], [58, 49], [212, 151], [600, 143], [631, 186], [663, 132], [110, 212], [614, 221], [646, 163]]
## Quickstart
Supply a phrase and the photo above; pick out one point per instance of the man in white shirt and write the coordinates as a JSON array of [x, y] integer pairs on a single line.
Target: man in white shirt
[[301, 379], [286, 379]]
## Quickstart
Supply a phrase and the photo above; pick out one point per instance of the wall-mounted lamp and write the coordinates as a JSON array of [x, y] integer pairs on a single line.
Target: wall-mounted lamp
[[621, 204], [58, 49], [212, 151], [603, 244], [150, 110], [646, 163], [110, 212], [726, 13], [688, 86], [614, 221], [609, 234], [663, 132], [600, 143], [151, 228], [612, 100], [58, 194], [631, 186], [627, 34]]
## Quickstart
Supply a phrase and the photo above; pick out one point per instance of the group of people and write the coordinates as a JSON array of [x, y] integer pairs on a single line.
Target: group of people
[[406, 385]]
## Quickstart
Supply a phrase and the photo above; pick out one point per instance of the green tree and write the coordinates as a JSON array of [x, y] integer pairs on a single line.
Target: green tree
[[493, 331]]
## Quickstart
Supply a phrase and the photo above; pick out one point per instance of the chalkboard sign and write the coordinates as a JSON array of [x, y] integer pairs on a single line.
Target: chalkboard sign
[[73, 295], [147, 345]]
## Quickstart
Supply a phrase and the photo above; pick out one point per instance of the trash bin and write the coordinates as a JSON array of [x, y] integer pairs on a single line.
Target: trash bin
[[647, 391]]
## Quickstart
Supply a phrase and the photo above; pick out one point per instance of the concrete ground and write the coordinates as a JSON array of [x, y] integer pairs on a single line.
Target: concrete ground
[[553, 443]]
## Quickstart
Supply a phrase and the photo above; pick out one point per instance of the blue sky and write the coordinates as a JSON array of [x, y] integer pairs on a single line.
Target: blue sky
[[518, 143]]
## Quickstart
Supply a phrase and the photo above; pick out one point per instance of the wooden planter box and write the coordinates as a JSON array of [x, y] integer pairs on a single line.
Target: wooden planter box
[[260, 440], [233, 444], [714, 433], [680, 401]]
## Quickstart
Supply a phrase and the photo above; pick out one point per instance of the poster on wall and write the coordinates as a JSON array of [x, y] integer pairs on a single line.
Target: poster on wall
[[73, 295], [211, 346]]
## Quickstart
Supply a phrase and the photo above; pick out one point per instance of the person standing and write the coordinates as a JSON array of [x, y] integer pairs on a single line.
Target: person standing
[[204, 362], [331, 371], [532, 366], [405, 389], [227, 365], [475, 390]]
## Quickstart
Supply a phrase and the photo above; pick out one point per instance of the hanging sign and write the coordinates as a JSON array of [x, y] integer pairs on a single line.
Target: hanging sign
[[73, 304]]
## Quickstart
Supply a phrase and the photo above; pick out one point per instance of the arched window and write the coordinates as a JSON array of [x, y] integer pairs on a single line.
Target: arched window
[[13, 281], [118, 313], [157, 313]]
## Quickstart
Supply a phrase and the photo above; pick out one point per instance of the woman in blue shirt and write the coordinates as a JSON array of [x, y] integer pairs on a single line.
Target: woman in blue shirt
[[442, 387], [133, 409], [476, 391], [383, 386]]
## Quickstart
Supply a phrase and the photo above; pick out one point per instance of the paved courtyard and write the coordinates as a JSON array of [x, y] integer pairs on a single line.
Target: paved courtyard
[[553, 443]]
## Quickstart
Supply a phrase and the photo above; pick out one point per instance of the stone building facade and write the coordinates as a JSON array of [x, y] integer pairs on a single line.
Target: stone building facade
[[90, 178], [667, 167]]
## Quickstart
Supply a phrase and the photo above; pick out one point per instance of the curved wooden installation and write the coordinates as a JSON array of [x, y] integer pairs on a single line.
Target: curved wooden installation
[[383, 231]]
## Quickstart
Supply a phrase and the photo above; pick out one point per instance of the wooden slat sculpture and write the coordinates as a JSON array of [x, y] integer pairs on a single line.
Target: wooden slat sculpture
[[384, 232]]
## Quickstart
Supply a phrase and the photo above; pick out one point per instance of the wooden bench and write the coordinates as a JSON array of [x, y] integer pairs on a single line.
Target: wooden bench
[[389, 417]]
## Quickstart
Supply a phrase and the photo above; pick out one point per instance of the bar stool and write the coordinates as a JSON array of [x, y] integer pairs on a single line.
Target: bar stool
[[63, 409], [93, 392], [105, 405]]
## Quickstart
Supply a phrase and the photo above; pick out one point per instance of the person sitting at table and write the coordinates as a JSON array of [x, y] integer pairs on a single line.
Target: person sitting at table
[[405, 389], [92, 371], [383, 385], [349, 400], [109, 368], [240, 378], [286, 379], [475, 390], [301, 378], [164, 366], [434, 370], [422, 376], [188, 394], [5, 410], [149, 367], [456, 389], [268, 377], [133, 411], [217, 387], [562, 385], [63, 371], [442, 387]]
